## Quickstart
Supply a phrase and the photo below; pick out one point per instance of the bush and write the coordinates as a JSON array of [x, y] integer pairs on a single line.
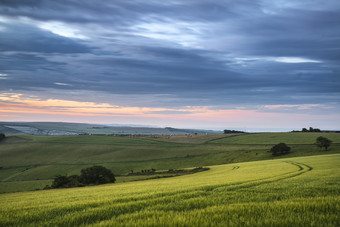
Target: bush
[[2, 136], [96, 175], [280, 149]]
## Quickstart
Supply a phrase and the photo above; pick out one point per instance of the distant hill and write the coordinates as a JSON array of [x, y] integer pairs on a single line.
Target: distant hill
[[62, 128]]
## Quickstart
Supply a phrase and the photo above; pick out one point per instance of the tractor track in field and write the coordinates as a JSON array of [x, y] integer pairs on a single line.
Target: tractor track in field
[[135, 205], [303, 168], [199, 192]]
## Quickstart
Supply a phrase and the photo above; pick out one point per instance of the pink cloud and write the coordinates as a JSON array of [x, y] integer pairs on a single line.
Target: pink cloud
[[18, 107]]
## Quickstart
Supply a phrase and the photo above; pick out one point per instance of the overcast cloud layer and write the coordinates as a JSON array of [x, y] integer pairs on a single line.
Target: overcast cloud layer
[[246, 54]]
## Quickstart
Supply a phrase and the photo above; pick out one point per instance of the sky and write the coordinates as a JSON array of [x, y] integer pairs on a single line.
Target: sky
[[254, 65]]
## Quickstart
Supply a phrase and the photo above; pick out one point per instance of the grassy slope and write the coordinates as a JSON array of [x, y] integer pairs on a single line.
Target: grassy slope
[[300, 191], [274, 138], [189, 139], [29, 158]]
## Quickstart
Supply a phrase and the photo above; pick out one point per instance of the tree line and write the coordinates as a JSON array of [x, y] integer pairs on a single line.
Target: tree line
[[94, 175], [311, 129], [228, 131]]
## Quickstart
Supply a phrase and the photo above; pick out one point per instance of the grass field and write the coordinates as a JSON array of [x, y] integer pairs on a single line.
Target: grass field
[[30, 162], [300, 191], [274, 138]]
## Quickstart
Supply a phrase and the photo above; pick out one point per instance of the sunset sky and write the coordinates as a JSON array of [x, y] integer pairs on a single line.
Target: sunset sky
[[254, 65]]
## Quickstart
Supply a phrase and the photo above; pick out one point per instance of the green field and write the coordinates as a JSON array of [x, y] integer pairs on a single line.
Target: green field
[[300, 191], [31, 162], [274, 138]]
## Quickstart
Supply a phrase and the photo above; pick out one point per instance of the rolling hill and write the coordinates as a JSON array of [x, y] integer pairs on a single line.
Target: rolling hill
[[300, 191], [30, 162], [62, 128]]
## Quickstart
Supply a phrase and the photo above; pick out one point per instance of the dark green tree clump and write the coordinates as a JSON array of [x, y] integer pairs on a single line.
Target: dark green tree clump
[[94, 175], [280, 149], [311, 130], [323, 142], [227, 131], [66, 182], [2, 136]]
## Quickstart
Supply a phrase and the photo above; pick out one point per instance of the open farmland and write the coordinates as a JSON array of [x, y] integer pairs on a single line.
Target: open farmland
[[278, 137], [31, 162], [302, 191]]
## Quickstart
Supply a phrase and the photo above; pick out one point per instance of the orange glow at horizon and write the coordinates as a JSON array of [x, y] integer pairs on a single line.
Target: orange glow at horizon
[[19, 107], [12, 103]]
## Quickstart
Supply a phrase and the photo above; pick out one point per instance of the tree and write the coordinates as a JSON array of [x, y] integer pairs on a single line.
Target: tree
[[60, 182], [227, 131], [96, 175], [74, 181], [314, 129], [311, 129], [323, 142], [280, 149], [90, 176], [2, 136], [66, 182]]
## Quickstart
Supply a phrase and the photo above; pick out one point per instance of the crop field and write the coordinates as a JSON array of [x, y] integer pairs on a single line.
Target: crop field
[[300, 191], [31, 162]]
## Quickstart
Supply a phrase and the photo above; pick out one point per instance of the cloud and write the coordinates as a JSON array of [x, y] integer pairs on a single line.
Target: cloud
[[19, 103], [20, 3], [62, 29], [299, 107], [61, 84], [27, 38], [173, 54], [293, 60], [15, 106], [3, 76]]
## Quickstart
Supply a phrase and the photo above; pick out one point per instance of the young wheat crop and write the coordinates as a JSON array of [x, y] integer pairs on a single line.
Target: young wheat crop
[[287, 192]]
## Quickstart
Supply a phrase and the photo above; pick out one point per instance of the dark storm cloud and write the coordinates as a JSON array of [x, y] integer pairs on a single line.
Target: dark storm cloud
[[304, 33], [216, 51], [29, 72], [20, 3], [24, 61], [125, 12]]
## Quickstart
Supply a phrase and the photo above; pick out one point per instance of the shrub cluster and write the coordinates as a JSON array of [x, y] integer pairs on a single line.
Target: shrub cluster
[[90, 176], [280, 149], [2, 136]]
